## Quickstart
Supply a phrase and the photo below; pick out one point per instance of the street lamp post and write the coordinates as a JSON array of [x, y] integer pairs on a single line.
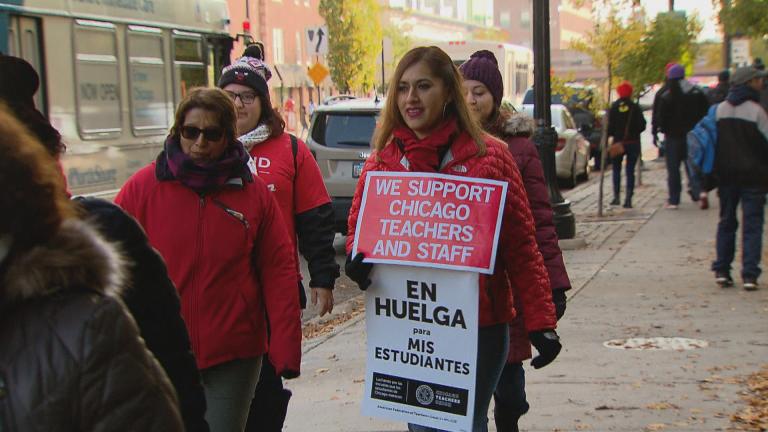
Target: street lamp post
[[545, 135]]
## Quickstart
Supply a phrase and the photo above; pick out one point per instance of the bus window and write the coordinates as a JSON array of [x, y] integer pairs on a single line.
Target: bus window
[[189, 62], [24, 42], [149, 103], [97, 79]]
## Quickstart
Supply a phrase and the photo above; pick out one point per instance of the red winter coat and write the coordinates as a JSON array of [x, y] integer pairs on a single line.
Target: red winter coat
[[527, 158], [230, 257], [518, 259]]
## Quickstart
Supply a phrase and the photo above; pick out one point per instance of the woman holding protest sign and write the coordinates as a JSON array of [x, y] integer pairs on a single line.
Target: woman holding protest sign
[[426, 127], [483, 87]]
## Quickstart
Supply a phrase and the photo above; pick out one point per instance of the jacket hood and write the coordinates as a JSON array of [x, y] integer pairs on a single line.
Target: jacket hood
[[519, 125], [76, 257]]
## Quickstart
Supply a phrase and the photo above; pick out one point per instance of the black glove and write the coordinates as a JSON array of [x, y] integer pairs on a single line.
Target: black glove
[[358, 271], [558, 298], [547, 343]]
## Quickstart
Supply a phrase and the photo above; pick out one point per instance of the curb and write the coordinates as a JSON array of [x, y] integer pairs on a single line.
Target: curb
[[310, 344]]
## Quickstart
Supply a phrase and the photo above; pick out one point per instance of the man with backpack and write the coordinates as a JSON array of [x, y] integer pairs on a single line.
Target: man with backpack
[[740, 167], [679, 108]]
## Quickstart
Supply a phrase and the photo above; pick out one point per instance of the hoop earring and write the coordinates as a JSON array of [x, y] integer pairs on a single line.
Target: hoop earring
[[445, 105]]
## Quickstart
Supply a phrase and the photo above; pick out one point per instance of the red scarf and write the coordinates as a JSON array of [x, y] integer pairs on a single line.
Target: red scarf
[[424, 154]]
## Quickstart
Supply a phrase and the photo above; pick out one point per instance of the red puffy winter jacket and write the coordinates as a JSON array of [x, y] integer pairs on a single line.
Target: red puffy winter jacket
[[230, 256], [518, 258], [527, 159]]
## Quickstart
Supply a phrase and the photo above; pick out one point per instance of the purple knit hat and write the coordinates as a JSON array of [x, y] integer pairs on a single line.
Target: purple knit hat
[[676, 71], [482, 66]]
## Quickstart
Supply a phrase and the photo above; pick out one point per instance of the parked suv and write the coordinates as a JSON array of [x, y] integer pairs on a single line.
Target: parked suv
[[340, 139]]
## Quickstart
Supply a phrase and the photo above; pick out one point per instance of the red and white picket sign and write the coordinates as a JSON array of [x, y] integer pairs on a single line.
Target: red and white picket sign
[[430, 220]]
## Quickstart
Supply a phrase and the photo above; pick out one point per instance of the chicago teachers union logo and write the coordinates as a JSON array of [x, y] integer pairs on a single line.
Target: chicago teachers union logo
[[424, 394]]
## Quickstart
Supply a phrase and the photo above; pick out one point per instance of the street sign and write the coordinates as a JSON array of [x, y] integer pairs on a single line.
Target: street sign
[[317, 73], [740, 52], [317, 40]]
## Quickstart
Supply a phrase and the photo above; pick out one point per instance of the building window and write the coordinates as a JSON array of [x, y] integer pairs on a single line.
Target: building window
[[525, 19], [278, 46], [505, 19], [97, 78], [298, 47]]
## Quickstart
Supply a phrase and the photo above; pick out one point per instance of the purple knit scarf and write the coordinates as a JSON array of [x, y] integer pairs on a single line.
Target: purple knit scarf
[[173, 163]]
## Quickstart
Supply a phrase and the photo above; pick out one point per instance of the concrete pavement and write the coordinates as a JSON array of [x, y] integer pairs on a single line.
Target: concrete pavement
[[644, 273]]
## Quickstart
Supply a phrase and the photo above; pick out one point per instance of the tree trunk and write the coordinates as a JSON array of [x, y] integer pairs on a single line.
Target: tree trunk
[[604, 146]]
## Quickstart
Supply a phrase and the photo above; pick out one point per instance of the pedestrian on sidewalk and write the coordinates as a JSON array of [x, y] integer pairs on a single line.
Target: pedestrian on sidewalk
[[71, 357], [222, 235], [759, 65], [741, 164], [720, 92], [679, 108], [426, 127], [625, 124], [483, 90], [292, 174], [150, 295], [655, 114]]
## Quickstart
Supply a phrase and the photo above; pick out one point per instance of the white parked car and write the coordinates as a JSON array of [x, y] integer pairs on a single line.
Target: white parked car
[[572, 150]]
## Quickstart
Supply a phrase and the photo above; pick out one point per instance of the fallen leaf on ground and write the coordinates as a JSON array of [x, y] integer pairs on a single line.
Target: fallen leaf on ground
[[655, 426], [662, 406], [754, 417]]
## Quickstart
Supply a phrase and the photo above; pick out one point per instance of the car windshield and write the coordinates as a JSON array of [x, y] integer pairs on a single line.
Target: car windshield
[[344, 130]]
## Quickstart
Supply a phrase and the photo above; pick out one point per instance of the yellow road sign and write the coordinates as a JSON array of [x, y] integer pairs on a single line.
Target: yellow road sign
[[318, 73]]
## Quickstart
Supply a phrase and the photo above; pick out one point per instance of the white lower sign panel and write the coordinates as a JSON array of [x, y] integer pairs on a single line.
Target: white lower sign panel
[[422, 346]]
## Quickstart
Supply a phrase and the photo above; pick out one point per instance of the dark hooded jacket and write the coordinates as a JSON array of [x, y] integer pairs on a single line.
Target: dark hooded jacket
[[152, 299], [515, 131], [741, 157], [71, 358]]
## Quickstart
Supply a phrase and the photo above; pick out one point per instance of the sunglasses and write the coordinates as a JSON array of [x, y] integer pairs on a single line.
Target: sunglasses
[[210, 134], [246, 98]]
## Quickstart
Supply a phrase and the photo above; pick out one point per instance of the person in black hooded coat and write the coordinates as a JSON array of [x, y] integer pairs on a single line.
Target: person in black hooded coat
[[151, 296]]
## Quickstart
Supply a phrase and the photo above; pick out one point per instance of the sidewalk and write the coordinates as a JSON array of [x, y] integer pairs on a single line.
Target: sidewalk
[[644, 273]]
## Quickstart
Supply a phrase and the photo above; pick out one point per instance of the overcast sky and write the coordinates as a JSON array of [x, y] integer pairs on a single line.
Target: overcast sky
[[704, 8]]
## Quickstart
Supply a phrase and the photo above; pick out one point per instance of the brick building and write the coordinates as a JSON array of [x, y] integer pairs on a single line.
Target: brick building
[[281, 25], [567, 22]]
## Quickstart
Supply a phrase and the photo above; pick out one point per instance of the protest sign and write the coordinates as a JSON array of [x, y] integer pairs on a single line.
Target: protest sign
[[430, 220], [422, 346]]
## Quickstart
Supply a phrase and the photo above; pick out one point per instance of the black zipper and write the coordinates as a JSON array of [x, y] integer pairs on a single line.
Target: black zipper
[[234, 213]]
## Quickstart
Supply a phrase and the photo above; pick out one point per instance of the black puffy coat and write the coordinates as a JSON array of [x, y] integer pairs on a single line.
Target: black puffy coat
[[678, 108], [71, 358], [154, 303]]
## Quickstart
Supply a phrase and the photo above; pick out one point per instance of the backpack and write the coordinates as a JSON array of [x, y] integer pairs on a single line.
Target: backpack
[[702, 145]]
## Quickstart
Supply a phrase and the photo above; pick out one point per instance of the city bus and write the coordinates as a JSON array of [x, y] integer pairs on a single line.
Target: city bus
[[515, 63], [112, 72]]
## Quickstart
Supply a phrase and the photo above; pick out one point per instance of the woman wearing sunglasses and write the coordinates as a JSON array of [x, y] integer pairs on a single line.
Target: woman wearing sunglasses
[[426, 127], [221, 232], [483, 89], [287, 166]]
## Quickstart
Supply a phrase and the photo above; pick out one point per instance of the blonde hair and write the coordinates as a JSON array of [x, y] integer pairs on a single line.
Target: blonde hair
[[442, 67]]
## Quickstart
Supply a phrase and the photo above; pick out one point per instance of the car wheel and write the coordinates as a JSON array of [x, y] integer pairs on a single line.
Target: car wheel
[[585, 173], [571, 181]]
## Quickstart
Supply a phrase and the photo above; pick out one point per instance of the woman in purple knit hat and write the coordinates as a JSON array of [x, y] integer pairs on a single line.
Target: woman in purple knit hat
[[483, 89]]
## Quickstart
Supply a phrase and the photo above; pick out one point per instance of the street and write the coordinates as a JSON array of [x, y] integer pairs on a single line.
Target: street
[[637, 273]]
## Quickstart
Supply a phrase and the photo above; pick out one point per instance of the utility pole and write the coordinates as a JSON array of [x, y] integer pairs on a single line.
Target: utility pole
[[545, 135], [671, 5]]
